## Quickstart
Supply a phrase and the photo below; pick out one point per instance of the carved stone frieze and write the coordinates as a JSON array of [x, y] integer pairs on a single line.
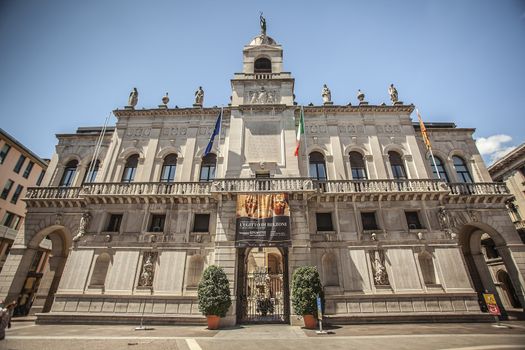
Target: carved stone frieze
[[263, 96], [351, 129], [174, 131], [138, 132], [388, 129], [377, 259]]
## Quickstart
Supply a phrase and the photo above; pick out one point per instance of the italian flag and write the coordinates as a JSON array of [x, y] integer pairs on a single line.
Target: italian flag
[[300, 131]]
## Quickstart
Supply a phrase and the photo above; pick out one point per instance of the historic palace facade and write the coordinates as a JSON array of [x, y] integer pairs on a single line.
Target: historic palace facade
[[135, 212]]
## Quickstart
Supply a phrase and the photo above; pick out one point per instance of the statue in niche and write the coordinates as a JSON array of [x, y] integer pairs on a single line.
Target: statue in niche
[[262, 21], [379, 270], [146, 277], [392, 91], [327, 94], [199, 96], [133, 98], [84, 221]]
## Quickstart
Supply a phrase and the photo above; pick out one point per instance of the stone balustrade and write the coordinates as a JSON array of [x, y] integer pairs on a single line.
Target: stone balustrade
[[270, 185], [264, 185], [382, 186], [147, 188], [43, 193], [480, 188]]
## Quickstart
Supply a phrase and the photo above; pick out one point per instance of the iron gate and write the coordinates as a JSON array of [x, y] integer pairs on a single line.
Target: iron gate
[[263, 297]]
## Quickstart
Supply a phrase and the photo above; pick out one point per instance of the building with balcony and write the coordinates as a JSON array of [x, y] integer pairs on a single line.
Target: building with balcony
[[510, 169], [135, 212], [19, 169]]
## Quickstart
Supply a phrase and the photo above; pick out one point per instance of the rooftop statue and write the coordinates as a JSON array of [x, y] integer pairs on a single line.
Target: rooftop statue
[[392, 91], [263, 24], [360, 96], [327, 94], [133, 98], [199, 96]]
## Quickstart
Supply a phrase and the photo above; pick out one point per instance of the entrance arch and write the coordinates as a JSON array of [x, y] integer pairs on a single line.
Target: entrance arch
[[262, 288], [485, 252], [40, 270]]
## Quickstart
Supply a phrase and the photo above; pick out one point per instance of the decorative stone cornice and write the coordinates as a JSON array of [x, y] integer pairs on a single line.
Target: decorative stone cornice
[[334, 109], [166, 112]]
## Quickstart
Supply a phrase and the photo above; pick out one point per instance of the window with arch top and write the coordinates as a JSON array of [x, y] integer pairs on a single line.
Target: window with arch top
[[168, 168], [396, 163], [426, 263], [461, 170], [357, 164], [438, 168], [317, 166], [262, 65], [130, 168], [69, 173], [209, 162], [100, 271]]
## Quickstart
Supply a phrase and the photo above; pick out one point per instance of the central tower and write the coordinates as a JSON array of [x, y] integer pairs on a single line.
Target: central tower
[[262, 126]]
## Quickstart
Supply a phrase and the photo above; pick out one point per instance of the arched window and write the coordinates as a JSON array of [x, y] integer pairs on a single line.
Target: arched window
[[98, 277], [440, 168], [317, 166], [69, 173], [489, 247], [195, 268], [330, 271], [396, 163], [461, 170], [208, 165], [168, 168], [91, 172], [357, 164], [427, 267], [262, 65], [128, 175]]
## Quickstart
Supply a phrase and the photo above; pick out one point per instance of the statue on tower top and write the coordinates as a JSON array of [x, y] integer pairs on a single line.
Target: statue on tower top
[[263, 24]]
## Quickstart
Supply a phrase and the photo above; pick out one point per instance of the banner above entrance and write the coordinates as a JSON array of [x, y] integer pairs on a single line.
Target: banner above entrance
[[262, 220]]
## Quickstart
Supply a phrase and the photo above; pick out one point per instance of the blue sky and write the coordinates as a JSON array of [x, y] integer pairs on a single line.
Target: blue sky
[[66, 63]]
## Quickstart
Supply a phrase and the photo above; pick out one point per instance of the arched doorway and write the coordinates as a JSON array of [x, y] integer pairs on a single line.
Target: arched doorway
[[482, 249], [262, 289], [509, 293], [40, 271]]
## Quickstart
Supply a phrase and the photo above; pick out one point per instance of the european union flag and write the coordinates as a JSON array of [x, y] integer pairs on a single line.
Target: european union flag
[[214, 133]]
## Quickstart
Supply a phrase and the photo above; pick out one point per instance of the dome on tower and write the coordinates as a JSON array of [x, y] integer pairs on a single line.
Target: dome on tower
[[262, 39]]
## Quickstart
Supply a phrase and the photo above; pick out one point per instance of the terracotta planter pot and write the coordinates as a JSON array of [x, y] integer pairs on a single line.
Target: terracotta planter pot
[[309, 322], [213, 321]]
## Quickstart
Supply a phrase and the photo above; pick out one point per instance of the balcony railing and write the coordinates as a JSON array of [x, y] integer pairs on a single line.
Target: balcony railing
[[264, 185], [269, 185], [37, 193], [480, 188], [147, 188], [382, 186]]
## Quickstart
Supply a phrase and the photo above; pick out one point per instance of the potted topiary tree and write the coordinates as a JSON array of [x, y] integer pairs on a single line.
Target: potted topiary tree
[[306, 286], [214, 295]]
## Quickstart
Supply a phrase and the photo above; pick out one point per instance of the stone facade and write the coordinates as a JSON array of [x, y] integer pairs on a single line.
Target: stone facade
[[391, 242]]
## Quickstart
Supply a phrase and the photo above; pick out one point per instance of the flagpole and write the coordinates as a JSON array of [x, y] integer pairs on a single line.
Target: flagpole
[[305, 145], [427, 143], [219, 142]]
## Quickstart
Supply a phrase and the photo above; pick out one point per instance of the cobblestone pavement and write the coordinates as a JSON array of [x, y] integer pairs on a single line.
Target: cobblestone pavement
[[471, 336]]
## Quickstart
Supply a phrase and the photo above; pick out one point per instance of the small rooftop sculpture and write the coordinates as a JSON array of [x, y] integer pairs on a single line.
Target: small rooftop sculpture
[[133, 98]]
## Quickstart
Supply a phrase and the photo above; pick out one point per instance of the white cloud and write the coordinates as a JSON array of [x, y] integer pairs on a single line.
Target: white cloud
[[493, 148]]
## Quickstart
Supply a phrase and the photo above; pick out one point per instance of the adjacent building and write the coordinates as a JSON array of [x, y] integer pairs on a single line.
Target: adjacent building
[[19, 169], [135, 212]]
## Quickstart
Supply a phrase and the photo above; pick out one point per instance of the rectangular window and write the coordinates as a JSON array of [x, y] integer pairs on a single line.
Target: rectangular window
[[201, 223], [3, 153], [29, 167], [40, 178], [16, 195], [7, 189], [11, 220], [157, 223], [369, 221], [114, 223], [413, 220], [19, 163], [324, 222]]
